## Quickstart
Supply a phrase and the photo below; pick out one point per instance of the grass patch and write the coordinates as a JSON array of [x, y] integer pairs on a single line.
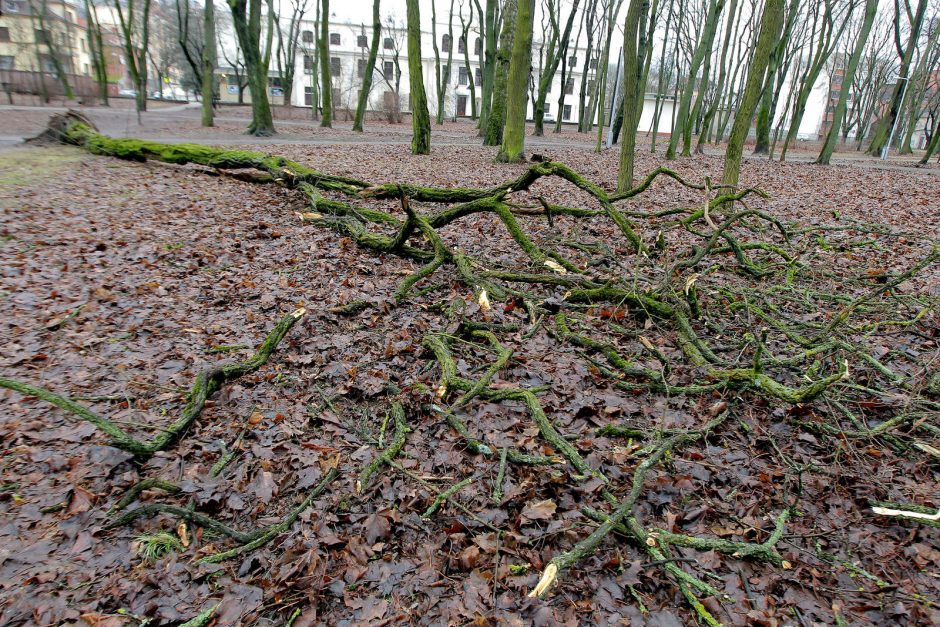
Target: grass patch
[[25, 166]]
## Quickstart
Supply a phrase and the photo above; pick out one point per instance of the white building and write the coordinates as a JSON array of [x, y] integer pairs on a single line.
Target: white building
[[391, 87]]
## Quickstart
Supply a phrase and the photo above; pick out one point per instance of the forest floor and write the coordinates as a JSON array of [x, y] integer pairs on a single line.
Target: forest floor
[[119, 281]]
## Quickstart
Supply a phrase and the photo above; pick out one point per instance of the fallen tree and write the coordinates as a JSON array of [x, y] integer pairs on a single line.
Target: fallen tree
[[633, 310]]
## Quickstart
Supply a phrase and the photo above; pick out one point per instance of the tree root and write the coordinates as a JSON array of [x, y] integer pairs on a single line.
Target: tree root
[[386, 456], [149, 483], [207, 383], [248, 541], [263, 536], [441, 498]]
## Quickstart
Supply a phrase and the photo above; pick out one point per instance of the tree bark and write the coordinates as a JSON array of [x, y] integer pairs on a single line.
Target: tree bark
[[370, 67], [519, 66], [246, 17], [631, 64], [770, 25], [496, 120], [326, 82], [871, 8], [208, 63], [420, 117]]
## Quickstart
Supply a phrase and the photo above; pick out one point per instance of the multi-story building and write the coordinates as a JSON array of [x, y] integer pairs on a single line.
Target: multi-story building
[[36, 45], [391, 87]]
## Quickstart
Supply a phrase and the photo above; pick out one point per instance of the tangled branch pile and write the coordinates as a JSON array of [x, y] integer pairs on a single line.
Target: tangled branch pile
[[719, 303]]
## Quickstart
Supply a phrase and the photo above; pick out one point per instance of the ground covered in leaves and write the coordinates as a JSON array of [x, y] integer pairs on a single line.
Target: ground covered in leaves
[[121, 281]]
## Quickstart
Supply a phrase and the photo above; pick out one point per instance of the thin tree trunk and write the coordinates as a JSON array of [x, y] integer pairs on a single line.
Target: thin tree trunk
[[631, 68], [326, 82], [370, 67], [871, 8], [208, 63], [720, 87], [420, 117], [883, 130], [493, 135], [704, 45], [770, 25]]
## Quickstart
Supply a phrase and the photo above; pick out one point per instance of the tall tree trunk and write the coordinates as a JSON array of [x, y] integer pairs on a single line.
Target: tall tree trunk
[[631, 66], [96, 48], [768, 101], [471, 82], [720, 86], [883, 130], [488, 25], [208, 63], [704, 45], [663, 80], [326, 81], [586, 119], [555, 53], [420, 117], [246, 17], [519, 66], [871, 9], [770, 25], [370, 67], [613, 10], [493, 135], [442, 81]]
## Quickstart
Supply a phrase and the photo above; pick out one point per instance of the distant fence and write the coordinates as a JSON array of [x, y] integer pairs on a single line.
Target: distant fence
[[40, 83]]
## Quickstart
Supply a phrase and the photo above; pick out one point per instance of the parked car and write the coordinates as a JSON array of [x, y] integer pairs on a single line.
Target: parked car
[[131, 93]]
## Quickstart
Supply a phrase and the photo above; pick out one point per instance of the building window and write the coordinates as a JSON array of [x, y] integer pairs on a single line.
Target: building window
[[572, 61], [360, 67], [478, 48], [593, 64], [462, 75], [308, 95], [388, 43], [548, 108], [6, 62], [478, 76], [13, 6], [445, 43], [336, 96], [388, 70], [334, 39], [569, 86], [335, 66], [566, 115], [590, 86], [41, 35], [445, 73], [362, 41], [5, 34], [307, 36], [462, 44], [308, 64], [46, 64]]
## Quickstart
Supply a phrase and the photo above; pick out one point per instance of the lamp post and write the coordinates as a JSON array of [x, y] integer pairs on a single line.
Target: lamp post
[[884, 151]]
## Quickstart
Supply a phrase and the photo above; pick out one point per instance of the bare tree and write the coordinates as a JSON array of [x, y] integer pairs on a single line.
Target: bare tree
[[770, 26], [288, 44], [135, 31], [369, 71]]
